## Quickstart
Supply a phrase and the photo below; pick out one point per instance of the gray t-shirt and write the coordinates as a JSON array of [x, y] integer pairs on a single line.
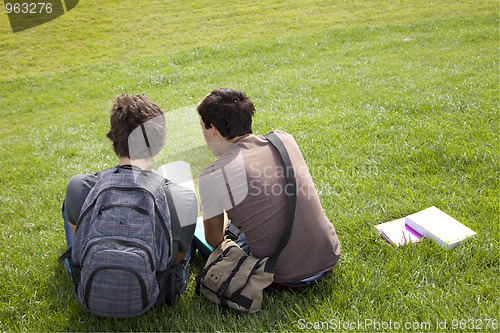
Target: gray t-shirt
[[186, 205], [248, 183]]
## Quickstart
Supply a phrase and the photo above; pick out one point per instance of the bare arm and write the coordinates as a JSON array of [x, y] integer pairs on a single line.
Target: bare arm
[[179, 257], [214, 229]]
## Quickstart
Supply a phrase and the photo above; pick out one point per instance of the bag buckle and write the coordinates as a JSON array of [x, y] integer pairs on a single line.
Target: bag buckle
[[221, 289]]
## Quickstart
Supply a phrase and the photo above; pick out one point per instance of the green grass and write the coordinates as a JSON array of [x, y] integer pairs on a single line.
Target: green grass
[[394, 105]]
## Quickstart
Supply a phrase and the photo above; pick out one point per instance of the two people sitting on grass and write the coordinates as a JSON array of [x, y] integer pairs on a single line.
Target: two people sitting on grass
[[130, 232]]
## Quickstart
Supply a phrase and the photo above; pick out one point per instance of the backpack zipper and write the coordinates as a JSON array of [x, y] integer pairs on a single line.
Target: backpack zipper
[[122, 243], [137, 208], [165, 231], [85, 212]]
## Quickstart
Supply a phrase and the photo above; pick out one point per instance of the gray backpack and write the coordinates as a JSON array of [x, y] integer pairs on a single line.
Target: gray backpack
[[121, 259]]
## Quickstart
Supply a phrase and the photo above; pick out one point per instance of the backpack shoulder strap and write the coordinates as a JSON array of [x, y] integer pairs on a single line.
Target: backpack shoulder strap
[[167, 292], [170, 201], [291, 196]]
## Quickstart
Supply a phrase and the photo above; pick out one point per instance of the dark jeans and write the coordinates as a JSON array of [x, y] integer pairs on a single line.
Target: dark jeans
[[181, 270]]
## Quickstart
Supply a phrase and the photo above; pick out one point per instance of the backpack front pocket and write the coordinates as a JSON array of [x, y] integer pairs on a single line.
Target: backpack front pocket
[[118, 278]]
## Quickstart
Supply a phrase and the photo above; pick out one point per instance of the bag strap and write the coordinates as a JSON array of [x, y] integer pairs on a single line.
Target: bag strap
[[225, 284], [291, 194], [170, 202], [167, 292], [174, 217]]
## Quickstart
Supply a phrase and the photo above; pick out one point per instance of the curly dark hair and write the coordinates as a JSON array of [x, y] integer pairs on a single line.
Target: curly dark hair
[[130, 113], [229, 110]]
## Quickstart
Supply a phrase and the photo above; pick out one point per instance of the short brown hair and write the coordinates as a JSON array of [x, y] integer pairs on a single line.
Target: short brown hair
[[229, 110], [130, 112]]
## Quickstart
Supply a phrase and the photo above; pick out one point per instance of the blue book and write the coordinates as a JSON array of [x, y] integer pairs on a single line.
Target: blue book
[[199, 239]]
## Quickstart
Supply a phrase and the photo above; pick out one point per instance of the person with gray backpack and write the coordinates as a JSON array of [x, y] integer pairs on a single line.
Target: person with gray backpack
[[129, 231]]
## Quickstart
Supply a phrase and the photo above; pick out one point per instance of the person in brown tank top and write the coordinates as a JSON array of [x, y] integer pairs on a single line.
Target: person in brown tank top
[[247, 182]]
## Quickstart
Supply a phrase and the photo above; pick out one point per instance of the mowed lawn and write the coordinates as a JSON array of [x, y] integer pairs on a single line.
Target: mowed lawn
[[393, 103]]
